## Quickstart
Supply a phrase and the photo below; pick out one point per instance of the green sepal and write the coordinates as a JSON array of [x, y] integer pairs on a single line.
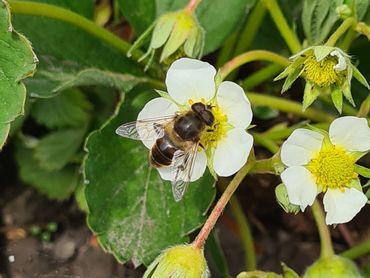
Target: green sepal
[[140, 40], [337, 98], [358, 155], [181, 30], [322, 51], [162, 30], [346, 89], [282, 198], [287, 71], [311, 92], [291, 78], [363, 171], [209, 154], [259, 274], [358, 75], [288, 272], [356, 184]]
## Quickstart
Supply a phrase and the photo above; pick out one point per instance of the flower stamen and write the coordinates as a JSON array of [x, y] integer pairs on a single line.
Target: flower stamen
[[333, 168], [325, 72], [217, 131]]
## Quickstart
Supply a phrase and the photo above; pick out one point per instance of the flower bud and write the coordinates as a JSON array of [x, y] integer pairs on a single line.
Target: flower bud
[[282, 197], [181, 261], [327, 70], [335, 266], [343, 11], [177, 34]]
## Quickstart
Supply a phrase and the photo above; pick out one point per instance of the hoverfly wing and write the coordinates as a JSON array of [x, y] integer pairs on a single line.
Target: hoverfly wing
[[183, 163], [148, 129]]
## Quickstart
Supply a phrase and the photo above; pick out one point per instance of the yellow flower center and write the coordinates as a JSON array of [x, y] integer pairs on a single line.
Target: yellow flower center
[[211, 135], [333, 168], [321, 73]]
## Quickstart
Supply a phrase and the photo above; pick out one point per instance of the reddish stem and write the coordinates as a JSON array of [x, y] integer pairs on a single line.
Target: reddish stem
[[220, 206], [192, 5]]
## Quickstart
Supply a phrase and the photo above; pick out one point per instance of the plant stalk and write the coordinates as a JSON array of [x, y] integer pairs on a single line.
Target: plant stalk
[[192, 5], [289, 36], [325, 239], [357, 251], [221, 204], [254, 55], [348, 23]]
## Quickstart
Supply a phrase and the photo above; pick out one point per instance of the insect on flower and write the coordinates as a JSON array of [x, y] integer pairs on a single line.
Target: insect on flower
[[177, 139], [195, 125]]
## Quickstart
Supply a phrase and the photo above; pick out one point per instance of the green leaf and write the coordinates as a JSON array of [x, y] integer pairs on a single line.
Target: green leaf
[[55, 184], [66, 48], [69, 109], [67, 77], [17, 62], [57, 148], [139, 13], [217, 17], [82, 7], [213, 246], [132, 211], [4, 131], [318, 19]]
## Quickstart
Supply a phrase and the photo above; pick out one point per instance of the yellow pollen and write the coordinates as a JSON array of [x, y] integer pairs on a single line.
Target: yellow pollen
[[333, 168], [211, 135], [321, 73]]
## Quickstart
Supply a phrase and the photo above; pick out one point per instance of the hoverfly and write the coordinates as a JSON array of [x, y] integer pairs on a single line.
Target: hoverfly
[[177, 141]]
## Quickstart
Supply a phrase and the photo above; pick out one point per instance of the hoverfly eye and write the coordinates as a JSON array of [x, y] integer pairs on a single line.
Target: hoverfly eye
[[208, 117], [198, 107]]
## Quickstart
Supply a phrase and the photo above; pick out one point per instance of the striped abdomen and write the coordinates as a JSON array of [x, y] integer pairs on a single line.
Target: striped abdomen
[[162, 152]]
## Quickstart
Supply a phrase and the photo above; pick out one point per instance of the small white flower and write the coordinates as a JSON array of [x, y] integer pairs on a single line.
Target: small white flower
[[189, 81], [318, 162]]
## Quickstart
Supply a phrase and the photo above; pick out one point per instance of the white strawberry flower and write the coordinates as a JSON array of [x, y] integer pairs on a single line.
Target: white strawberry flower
[[228, 146], [325, 162]]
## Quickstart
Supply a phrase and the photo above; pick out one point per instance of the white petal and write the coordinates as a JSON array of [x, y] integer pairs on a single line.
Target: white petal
[[342, 206], [233, 101], [156, 108], [301, 147], [232, 152], [301, 186], [350, 132], [191, 79], [341, 65], [200, 165]]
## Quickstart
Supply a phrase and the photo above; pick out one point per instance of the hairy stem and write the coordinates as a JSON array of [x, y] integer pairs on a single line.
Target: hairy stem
[[220, 205], [325, 239], [254, 55], [348, 23], [289, 36], [244, 229], [192, 5], [289, 107], [262, 75], [357, 251], [54, 12]]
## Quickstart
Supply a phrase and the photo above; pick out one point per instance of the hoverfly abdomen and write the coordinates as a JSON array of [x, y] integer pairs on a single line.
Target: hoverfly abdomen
[[162, 152]]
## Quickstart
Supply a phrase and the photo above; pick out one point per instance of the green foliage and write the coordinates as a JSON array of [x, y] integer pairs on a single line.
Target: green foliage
[[57, 148], [55, 184], [50, 82], [131, 210], [217, 17], [71, 108], [318, 19], [17, 62], [83, 7], [4, 131]]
